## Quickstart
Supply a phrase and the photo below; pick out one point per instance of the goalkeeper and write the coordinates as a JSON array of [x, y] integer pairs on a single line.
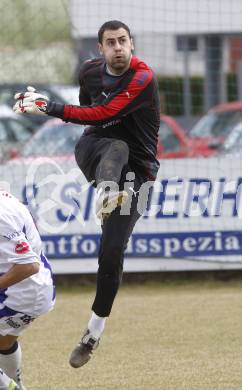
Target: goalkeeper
[[119, 100]]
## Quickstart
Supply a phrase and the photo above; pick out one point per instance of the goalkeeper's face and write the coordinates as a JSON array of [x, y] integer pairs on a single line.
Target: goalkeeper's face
[[116, 47]]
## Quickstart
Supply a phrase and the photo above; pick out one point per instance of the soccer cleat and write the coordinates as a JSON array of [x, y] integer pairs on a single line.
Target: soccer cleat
[[82, 352], [13, 386], [108, 201]]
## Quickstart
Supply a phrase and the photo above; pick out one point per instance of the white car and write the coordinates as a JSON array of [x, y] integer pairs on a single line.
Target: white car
[[233, 142], [53, 139], [15, 131]]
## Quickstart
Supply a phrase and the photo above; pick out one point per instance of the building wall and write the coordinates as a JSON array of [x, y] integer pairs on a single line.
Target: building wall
[[160, 16], [155, 26], [160, 51]]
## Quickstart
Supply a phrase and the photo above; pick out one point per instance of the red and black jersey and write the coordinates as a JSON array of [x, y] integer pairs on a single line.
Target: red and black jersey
[[125, 107]]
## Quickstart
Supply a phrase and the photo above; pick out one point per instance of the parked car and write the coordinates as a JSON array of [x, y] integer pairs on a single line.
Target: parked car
[[57, 138], [175, 143], [54, 138], [69, 93], [233, 142], [15, 131], [59, 93], [216, 125]]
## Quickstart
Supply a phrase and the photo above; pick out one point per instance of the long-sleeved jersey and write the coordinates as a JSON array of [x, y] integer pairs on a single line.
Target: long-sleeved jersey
[[125, 107]]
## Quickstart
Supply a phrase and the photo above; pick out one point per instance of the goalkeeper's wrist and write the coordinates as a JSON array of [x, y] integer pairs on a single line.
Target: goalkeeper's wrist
[[55, 109]]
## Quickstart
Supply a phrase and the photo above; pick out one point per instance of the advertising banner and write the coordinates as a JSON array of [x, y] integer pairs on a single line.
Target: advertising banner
[[192, 218]]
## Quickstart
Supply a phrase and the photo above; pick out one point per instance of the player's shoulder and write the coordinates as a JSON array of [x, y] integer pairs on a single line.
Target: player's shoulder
[[138, 65], [10, 205], [7, 199], [142, 74], [91, 64]]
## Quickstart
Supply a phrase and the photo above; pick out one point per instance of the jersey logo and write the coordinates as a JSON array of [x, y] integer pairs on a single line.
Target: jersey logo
[[22, 247], [11, 236], [12, 323], [143, 77], [41, 104], [6, 194], [105, 94]]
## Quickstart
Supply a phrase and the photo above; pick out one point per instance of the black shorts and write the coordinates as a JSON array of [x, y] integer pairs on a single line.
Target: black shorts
[[89, 151]]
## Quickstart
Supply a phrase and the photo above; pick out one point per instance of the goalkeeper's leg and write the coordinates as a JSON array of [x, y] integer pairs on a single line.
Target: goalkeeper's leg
[[102, 160], [116, 232]]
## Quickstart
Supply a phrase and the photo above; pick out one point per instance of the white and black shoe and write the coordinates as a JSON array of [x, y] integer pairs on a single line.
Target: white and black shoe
[[81, 354], [106, 202]]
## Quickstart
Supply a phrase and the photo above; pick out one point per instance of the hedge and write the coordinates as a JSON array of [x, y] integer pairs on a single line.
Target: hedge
[[171, 92]]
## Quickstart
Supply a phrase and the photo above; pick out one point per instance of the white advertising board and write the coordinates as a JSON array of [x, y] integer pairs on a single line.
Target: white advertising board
[[193, 218]]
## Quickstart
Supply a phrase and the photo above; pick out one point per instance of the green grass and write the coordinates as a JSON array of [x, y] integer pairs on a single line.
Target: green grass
[[170, 336]]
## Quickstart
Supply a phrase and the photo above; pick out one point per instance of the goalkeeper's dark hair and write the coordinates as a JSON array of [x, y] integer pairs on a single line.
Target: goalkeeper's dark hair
[[112, 25]]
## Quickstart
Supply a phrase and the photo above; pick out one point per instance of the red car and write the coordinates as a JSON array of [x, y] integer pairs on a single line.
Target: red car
[[175, 143], [217, 124]]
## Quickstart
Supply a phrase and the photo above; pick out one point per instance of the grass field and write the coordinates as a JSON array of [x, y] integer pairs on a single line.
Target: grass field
[[178, 335]]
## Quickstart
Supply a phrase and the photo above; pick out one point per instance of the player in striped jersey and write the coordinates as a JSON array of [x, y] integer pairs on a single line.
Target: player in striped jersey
[[26, 285]]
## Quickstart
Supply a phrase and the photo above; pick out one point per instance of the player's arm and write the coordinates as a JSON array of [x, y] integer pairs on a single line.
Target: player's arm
[[17, 273], [136, 95], [16, 252]]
